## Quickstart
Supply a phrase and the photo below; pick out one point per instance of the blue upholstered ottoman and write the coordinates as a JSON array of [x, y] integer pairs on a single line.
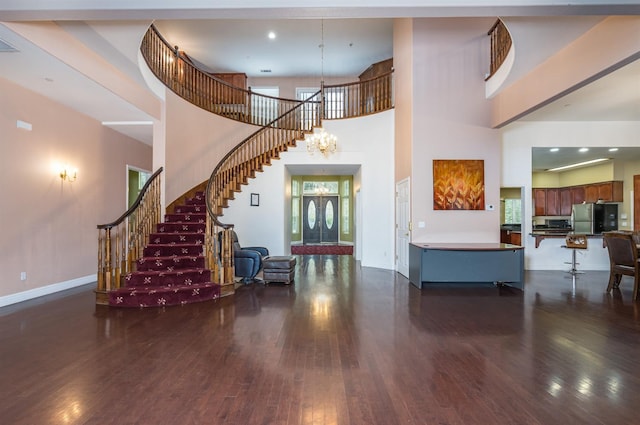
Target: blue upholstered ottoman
[[278, 269]]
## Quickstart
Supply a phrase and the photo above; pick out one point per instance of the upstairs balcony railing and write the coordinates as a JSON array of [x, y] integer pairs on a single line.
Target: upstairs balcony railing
[[500, 45], [179, 73]]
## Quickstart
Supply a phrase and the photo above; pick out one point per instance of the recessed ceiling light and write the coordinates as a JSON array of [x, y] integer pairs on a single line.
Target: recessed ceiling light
[[271, 35], [583, 150], [579, 164], [613, 149], [554, 149]]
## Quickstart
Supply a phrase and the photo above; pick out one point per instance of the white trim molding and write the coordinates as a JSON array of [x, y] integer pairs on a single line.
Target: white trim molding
[[46, 290]]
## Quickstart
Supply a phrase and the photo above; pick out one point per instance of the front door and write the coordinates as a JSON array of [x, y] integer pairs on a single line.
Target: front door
[[320, 219]]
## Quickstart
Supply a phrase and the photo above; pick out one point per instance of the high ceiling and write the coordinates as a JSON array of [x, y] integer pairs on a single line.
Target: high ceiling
[[350, 45], [236, 31]]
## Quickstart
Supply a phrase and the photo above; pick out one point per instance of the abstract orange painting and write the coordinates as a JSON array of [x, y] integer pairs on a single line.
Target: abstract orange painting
[[458, 184]]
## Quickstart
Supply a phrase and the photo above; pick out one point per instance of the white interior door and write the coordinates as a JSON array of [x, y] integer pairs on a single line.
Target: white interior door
[[403, 226], [357, 233]]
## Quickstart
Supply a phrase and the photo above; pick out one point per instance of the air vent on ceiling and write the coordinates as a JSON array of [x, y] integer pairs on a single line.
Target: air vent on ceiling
[[266, 71], [6, 47]]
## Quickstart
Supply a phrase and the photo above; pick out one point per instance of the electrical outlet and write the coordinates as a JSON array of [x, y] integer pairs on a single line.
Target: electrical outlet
[[23, 275]]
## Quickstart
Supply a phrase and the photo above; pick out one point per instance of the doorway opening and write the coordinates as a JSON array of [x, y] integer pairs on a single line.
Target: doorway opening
[[511, 214], [322, 211], [136, 179]]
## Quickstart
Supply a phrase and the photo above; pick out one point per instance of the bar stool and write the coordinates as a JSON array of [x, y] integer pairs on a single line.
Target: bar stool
[[575, 242]]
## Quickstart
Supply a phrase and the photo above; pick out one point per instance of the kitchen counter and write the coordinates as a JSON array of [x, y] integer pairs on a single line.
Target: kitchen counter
[[540, 235], [511, 234]]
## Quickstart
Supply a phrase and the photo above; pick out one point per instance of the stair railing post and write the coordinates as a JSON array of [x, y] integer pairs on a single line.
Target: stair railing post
[[118, 257], [227, 255], [100, 289], [107, 260]]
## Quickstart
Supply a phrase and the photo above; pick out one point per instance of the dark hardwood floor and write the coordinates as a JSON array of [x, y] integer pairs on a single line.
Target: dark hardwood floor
[[343, 345]]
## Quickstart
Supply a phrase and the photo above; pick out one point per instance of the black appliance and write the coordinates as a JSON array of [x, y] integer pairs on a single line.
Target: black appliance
[[594, 219]]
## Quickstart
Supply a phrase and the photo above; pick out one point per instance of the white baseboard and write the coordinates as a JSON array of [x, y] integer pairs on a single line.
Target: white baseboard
[[45, 290]]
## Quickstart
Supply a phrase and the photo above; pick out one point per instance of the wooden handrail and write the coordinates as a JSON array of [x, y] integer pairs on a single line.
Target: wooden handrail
[[178, 72], [282, 122], [122, 241], [236, 167], [500, 45], [136, 203], [302, 120], [358, 98]]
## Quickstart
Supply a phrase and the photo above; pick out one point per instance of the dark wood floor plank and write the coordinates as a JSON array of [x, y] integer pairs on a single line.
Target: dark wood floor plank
[[343, 345]]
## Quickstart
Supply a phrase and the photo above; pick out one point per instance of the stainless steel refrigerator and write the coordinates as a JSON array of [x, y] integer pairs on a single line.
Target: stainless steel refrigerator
[[593, 218]]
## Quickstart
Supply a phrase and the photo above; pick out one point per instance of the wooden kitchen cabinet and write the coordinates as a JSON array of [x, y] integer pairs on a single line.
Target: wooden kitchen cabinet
[[605, 191], [553, 202], [566, 201], [558, 201], [539, 202], [610, 191], [510, 236], [577, 194], [590, 193]]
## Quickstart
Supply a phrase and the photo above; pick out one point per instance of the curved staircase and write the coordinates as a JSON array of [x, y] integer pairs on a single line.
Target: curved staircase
[[189, 257], [172, 268]]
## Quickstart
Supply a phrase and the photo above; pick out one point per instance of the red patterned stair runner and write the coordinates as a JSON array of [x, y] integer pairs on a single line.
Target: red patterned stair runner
[[172, 269]]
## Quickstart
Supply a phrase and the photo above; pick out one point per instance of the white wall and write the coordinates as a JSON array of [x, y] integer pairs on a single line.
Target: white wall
[[517, 141], [195, 141], [48, 226], [365, 141], [451, 120]]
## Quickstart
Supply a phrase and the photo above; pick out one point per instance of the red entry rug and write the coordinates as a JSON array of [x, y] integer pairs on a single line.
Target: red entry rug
[[322, 249]]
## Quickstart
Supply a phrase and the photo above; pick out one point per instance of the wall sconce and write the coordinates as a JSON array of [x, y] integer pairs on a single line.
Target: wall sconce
[[69, 176]]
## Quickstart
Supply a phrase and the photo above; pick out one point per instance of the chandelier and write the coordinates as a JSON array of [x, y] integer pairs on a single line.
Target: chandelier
[[320, 140]]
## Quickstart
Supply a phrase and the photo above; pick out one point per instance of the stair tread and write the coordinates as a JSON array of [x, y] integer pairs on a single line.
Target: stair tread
[[168, 272], [169, 257], [141, 297], [182, 233], [164, 288], [173, 245]]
